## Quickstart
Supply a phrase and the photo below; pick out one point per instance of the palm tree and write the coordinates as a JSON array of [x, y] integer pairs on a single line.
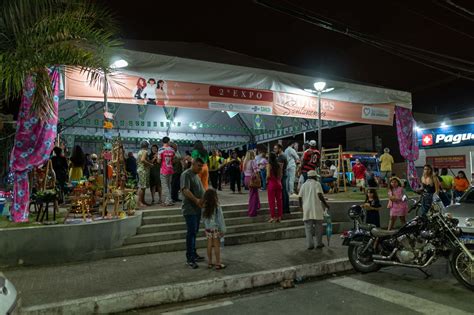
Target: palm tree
[[38, 34]]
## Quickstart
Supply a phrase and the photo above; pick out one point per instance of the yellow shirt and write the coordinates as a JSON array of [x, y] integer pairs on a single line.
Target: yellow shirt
[[214, 163], [448, 182], [386, 161]]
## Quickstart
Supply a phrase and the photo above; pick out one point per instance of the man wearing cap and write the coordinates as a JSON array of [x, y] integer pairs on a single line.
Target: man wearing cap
[[312, 202], [386, 162], [310, 159]]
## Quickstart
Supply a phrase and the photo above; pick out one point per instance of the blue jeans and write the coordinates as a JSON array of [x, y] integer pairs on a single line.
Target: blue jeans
[[426, 202], [192, 226], [263, 174]]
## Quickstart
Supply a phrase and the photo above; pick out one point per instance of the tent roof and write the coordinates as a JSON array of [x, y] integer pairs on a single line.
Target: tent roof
[[199, 63]]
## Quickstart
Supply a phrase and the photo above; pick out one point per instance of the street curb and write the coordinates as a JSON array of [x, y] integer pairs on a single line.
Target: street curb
[[180, 292]]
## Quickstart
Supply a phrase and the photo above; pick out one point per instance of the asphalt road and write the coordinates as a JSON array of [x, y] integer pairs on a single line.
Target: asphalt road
[[392, 290]]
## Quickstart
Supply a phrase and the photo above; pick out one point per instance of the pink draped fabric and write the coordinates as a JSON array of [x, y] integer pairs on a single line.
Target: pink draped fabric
[[34, 141], [408, 142]]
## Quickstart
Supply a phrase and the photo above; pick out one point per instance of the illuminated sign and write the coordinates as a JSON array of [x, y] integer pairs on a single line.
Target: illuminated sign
[[447, 137]]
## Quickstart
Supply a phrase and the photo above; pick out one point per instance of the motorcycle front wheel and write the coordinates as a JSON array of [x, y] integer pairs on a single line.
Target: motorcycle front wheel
[[362, 262], [463, 269]]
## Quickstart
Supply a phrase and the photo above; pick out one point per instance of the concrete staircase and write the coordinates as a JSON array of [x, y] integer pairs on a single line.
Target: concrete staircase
[[164, 230]]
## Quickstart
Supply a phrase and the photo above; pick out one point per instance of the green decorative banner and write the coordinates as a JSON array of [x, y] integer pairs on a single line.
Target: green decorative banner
[[142, 109], [296, 125], [258, 123], [82, 108]]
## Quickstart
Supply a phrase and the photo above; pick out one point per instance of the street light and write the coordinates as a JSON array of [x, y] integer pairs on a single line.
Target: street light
[[320, 89]]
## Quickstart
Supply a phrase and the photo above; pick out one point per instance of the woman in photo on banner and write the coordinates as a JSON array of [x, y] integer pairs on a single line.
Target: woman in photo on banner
[[161, 93]]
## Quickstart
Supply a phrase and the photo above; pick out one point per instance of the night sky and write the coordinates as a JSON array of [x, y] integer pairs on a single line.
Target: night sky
[[442, 26]]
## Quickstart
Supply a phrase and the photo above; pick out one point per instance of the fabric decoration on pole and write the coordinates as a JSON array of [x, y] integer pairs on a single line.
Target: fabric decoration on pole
[[34, 141], [408, 142]]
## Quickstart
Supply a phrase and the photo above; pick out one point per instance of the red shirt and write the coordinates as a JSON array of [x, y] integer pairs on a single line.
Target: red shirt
[[166, 154], [310, 160], [359, 171]]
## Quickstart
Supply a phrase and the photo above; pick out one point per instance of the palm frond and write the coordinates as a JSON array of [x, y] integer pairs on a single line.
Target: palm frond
[[37, 34]]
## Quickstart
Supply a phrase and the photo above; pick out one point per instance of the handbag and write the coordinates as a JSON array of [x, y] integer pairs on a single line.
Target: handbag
[[255, 181]]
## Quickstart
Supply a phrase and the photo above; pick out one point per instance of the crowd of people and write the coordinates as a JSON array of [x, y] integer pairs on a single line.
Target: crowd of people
[[196, 176]]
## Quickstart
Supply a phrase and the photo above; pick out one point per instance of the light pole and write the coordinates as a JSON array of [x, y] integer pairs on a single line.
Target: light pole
[[319, 87]]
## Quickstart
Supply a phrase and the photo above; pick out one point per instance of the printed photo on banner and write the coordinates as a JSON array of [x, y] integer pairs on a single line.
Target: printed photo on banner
[[151, 92]]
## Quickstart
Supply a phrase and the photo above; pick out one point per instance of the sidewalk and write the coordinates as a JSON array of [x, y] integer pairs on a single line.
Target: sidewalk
[[53, 284]]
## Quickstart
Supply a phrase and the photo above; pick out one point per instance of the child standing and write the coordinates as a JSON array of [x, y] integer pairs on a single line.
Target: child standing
[[397, 203], [372, 206], [214, 227]]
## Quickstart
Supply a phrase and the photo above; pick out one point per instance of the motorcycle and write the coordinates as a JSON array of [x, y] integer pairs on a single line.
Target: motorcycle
[[417, 244]]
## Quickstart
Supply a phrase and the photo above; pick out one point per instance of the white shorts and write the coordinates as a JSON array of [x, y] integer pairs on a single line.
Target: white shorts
[[360, 182]]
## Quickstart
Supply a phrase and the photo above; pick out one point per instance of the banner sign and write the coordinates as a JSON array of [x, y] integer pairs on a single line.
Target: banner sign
[[454, 136], [449, 161], [132, 89]]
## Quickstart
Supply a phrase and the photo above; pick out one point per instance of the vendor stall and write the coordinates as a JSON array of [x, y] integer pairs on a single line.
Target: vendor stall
[[161, 92]]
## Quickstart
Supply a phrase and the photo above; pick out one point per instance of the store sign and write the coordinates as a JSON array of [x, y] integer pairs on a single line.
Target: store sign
[[152, 90], [450, 161], [447, 137]]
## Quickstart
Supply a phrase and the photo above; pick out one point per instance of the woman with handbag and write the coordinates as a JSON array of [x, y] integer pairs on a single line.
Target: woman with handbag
[[252, 181]]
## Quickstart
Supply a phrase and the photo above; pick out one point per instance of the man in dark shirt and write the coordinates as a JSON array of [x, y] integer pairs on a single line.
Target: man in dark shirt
[[178, 170], [193, 191], [281, 157], [60, 167], [131, 165]]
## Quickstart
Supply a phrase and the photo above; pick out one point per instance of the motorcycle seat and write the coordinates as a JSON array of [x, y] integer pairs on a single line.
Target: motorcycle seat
[[381, 232]]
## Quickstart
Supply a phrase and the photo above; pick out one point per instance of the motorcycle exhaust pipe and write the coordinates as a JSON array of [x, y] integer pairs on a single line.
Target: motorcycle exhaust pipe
[[394, 263], [381, 257]]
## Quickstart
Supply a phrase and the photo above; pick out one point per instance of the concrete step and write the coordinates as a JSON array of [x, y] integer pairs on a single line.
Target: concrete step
[[181, 234], [179, 217], [177, 210], [147, 212], [178, 223], [276, 233]]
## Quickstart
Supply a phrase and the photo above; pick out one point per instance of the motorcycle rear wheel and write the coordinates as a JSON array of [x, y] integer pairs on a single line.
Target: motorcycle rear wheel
[[463, 269], [361, 263]]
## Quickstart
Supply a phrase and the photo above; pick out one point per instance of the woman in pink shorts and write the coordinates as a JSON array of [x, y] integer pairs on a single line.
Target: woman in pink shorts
[[397, 202]]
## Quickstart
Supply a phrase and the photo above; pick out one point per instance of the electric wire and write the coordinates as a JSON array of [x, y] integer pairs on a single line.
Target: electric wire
[[433, 20], [402, 50], [449, 7]]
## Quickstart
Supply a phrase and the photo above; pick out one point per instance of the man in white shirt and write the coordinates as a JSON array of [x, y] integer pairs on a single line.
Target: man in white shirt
[[313, 203], [149, 92], [293, 159]]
